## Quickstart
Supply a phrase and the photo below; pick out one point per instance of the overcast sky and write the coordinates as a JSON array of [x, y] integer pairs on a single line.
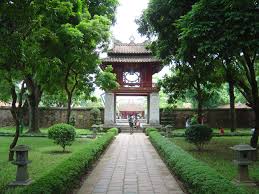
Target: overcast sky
[[125, 27], [126, 14]]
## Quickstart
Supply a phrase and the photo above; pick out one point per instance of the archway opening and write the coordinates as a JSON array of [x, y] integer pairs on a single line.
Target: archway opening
[[131, 105]]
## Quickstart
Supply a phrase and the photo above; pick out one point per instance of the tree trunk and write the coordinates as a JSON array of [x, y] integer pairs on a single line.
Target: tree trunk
[[17, 123], [232, 105], [254, 89], [33, 117], [200, 104], [199, 111], [15, 140], [17, 113], [69, 101], [254, 138], [33, 102]]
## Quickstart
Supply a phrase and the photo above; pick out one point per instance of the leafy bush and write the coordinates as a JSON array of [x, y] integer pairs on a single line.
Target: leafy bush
[[148, 130], [67, 175], [197, 176], [199, 135], [72, 121], [95, 116], [194, 120], [62, 134]]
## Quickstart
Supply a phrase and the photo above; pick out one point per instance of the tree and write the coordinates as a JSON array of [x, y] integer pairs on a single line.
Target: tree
[[54, 99], [158, 21], [62, 134], [19, 31], [17, 19], [10, 90], [74, 39], [196, 78], [229, 29], [102, 7]]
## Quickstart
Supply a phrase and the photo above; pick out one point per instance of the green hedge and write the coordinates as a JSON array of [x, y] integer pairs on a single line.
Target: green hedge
[[67, 174], [148, 130], [198, 177]]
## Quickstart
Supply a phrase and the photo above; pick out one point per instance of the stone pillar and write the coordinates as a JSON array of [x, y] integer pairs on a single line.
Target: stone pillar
[[109, 110], [148, 108], [154, 109]]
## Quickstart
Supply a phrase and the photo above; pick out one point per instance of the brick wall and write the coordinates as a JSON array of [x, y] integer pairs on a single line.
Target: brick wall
[[213, 117], [50, 116]]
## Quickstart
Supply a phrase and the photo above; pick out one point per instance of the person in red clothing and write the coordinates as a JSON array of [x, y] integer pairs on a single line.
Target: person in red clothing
[[221, 130]]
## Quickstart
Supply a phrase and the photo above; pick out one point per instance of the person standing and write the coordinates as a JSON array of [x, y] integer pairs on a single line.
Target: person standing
[[131, 124], [136, 122]]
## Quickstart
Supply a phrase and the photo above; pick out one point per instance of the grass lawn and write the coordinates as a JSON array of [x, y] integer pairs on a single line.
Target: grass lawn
[[11, 130], [44, 155], [239, 131], [218, 155]]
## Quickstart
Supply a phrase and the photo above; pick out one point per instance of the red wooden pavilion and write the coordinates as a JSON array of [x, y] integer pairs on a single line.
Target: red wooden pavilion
[[134, 67]]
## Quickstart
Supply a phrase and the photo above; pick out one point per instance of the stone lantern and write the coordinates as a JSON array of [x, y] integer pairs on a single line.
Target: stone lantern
[[21, 160], [95, 128], [168, 130], [243, 155]]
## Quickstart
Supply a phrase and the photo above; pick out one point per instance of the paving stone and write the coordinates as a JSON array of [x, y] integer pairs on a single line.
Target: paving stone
[[130, 166]]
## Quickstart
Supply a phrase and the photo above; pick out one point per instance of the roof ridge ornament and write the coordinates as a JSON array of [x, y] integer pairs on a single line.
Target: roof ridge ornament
[[132, 39]]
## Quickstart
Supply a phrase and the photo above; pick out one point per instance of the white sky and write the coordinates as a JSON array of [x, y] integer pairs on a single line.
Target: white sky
[[125, 27]]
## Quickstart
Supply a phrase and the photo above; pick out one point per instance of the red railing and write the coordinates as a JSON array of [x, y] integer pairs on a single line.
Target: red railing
[[137, 87]]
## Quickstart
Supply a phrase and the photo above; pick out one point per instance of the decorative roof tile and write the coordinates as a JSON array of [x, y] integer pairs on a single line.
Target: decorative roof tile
[[130, 59], [130, 53], [129, 48]]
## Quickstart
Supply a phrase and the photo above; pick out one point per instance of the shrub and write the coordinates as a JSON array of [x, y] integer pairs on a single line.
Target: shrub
[[67, 175], [194, 120], [198, 177], [72, 121], [148, 130], [95, 116], [62, 134], [199, 135]]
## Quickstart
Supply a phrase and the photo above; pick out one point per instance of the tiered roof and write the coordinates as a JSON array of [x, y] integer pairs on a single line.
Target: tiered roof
[[130, 53]]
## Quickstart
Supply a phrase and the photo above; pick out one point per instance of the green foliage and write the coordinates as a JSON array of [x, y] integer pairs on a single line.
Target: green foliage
[[148, 130], [158, 20], [54, 99], [199, 135], [193, 81], [95, 116], [43, 154], [106, 80], [220, 157], [67, 175], [62, 134], [197, 176], [102, 7], [194, 120], [52, 45]]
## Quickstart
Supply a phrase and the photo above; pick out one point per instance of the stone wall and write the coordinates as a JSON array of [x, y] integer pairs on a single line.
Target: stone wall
[[50, 116], [213, 117]]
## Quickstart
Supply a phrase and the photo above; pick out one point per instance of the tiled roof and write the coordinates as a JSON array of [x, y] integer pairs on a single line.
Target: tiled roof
[[129, 48], [130, 53], [132, 59]]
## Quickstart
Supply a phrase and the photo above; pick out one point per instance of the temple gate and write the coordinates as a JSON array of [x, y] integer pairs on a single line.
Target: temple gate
[[134, 67]]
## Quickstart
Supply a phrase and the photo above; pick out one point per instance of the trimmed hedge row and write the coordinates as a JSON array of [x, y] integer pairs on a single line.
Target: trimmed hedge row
[[198, 177], [67, 174], [217, 134], [148, 130]]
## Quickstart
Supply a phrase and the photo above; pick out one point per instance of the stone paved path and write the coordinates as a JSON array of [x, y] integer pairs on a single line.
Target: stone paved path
[[130, 166]]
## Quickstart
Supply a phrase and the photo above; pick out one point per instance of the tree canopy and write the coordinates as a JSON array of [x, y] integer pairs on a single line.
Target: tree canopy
[[217, 34]]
